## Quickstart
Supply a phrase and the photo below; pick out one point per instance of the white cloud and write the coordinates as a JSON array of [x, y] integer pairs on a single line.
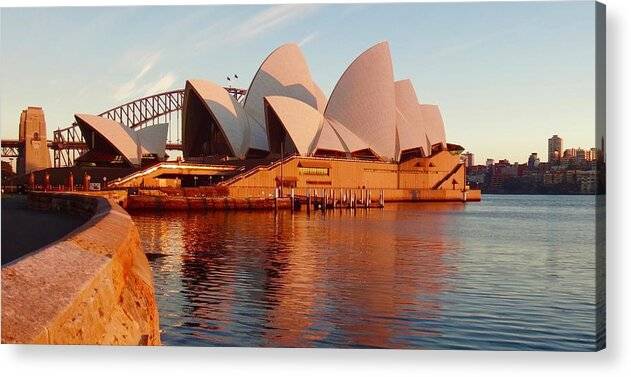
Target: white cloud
[[129, 88], [227, 31], [163, 84], [308, 38], [261, 23], [145, 69], [272, 18], [124, 90]]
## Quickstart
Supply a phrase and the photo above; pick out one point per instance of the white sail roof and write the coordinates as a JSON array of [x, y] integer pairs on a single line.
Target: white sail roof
[[367, 110], [351, 142], [118, 135], [283, 73], [410, 125], [328, 140], [434, 125], [154, 138], [300, 120], [364, 101], [227, 112]]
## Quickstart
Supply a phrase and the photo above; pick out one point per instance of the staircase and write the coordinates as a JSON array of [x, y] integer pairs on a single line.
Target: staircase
[[256, 169], [445, 178]]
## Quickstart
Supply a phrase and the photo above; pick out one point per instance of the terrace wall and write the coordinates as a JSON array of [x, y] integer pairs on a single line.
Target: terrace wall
[[94, 286]]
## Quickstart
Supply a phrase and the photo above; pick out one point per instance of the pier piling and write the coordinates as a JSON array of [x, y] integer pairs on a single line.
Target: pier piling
[[293, 203]]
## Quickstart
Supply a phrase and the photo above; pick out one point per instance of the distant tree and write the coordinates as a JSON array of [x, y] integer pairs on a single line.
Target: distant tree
[[7, 170]]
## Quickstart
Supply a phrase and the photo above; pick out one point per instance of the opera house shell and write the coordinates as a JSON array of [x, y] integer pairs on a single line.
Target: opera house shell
[[110, 142], [368, 115]]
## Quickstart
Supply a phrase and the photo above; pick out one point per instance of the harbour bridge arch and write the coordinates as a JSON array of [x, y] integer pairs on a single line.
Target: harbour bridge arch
[[165, 107]]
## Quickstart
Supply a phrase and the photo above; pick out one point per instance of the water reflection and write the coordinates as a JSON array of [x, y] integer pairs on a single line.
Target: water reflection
[[377, 278]]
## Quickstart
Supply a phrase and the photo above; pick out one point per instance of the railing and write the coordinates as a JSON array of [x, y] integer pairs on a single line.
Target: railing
[[256, 169]]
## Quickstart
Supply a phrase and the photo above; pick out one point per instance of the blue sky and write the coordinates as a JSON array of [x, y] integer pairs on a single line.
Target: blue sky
[[506, 75]]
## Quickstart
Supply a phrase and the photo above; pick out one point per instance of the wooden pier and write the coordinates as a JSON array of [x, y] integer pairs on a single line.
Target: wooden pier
[[331, 199]]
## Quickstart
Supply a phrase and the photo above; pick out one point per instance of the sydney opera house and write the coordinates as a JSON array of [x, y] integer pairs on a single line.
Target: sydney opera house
[[368, 116], [372, 132]]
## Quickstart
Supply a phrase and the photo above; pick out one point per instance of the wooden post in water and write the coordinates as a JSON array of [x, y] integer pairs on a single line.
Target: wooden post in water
[[382, 199], [367, 199], [292, 199], [333, 197], [341, 202], [308, 202], [276, 199], [341, 196]]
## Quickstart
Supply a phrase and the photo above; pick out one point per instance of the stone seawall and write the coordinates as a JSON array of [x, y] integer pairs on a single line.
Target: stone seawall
[[94, 286], [390, 195], [117, 196], [239, 199], [141, 202]]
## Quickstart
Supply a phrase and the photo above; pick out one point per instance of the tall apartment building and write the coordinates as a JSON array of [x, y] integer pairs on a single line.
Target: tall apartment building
[[555, 149]]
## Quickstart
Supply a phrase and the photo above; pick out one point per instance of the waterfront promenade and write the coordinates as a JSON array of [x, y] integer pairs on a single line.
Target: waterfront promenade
[[25, 230], [91, 285]]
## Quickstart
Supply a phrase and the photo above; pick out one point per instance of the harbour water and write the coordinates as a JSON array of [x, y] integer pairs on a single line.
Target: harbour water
[[508, 273]]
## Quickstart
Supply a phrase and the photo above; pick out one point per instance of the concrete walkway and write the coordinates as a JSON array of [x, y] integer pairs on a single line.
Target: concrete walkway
[[25, 230]]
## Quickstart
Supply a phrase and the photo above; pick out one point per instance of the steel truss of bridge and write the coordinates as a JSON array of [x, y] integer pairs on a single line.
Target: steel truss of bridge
[[68, 144]]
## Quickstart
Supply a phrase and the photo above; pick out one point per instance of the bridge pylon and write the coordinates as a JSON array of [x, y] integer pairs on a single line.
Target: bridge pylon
[[34, 154]]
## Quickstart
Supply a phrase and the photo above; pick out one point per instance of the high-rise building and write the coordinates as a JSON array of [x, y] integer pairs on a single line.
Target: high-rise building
[[533, 161], [555, 149], [570, 153], [490, 162], [581, 155], [569, 156], [468, 158], [594, 154]]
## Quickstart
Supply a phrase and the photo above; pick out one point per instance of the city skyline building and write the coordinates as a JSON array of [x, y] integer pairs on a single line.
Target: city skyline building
[[533, 160], [469, 159], [555, 149], [559, 155]]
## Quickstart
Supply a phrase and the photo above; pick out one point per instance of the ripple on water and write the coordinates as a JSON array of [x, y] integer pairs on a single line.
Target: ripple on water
[[509, 273]]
